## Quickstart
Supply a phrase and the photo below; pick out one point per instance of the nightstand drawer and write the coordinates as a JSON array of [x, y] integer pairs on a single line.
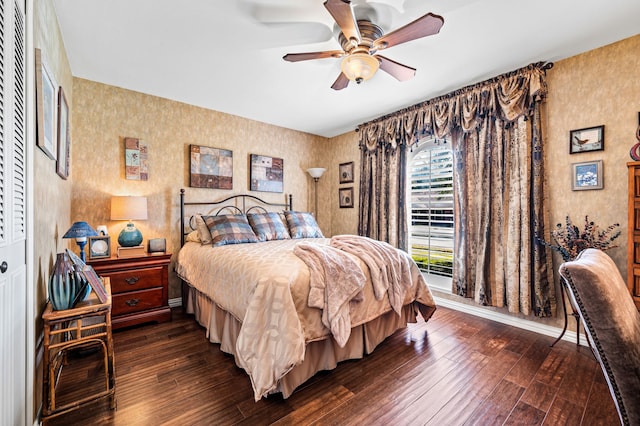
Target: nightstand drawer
[[135, 301], [139, 287], [135, 279]]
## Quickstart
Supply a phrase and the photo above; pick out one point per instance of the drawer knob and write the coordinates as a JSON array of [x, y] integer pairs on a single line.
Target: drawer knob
[[132, 280], [132, 302]]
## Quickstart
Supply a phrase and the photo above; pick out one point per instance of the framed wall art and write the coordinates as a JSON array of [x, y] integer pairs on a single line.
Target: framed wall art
[[64, 137], [99, 247], [346, 172], [587, 175], [136, 158], [587, 139], [210, 167], [267, 173], [46, 100], [345, 196]]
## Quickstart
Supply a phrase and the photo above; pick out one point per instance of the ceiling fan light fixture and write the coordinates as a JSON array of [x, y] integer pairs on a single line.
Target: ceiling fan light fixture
[[359, 66]]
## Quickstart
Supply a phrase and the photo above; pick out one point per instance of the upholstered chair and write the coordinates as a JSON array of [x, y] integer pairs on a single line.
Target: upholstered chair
[[612, 325]]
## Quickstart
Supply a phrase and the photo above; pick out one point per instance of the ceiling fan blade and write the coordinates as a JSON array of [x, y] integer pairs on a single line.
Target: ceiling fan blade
[[341, 82], [342, 13], [424, 26], [297, 57], [397, 70]]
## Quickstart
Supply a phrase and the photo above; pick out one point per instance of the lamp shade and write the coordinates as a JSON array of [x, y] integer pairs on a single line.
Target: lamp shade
[[359, 66], [80, 230], [316, 172], [128, 207]]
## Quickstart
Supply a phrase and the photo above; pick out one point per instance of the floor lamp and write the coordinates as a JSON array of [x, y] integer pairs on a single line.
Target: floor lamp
[[316, 173]]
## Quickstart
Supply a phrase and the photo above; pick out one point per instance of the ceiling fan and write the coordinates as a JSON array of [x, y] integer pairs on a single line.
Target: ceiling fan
[[361, 39]]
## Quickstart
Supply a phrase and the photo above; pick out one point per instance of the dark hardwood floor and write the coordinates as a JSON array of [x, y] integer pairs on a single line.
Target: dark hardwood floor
[[456, 369]]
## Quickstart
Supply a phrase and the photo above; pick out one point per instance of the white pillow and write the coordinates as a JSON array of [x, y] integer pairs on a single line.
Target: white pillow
[[193, 237], [203, 230]]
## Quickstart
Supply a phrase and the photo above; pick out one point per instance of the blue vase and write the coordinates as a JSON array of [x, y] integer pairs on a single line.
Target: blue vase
[[130, 236], [66, 285]]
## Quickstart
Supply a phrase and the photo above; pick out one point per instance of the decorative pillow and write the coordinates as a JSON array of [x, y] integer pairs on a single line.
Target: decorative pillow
[[193, 237], [203, 230], [302, 225], [229, 229], [268, 226]]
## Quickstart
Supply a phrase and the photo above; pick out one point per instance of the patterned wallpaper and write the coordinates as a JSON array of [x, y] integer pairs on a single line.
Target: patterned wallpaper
[[104, 115], [344, 149], [599, 87]]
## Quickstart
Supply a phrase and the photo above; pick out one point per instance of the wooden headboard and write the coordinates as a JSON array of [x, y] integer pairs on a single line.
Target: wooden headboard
[[235, 204]]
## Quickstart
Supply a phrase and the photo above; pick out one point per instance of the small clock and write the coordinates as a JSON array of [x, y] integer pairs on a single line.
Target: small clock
[[99, 247]]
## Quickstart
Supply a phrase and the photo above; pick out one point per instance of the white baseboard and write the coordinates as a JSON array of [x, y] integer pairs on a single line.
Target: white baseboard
[[478, 311], [174, 303]]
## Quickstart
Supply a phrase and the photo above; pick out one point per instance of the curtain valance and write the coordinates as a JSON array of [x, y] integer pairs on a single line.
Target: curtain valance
[[506, 97]]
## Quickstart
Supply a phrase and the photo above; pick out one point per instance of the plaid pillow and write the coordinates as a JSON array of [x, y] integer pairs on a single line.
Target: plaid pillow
[[229, 229], [268, 226], [302, 225]]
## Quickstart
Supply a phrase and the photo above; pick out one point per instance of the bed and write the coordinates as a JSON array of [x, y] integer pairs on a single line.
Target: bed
[[287, 303]]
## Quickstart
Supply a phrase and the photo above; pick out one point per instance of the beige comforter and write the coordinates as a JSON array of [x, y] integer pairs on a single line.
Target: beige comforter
[[266, 287]]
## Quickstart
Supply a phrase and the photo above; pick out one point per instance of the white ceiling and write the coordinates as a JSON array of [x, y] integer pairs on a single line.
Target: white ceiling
[[226, 55]]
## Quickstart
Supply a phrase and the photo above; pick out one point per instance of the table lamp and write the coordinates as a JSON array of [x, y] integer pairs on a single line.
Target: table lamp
[[80, 231], [128, 207]]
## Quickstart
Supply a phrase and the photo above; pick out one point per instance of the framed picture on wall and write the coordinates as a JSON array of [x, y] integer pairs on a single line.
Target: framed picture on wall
[[64, 137], [210, 167], [136, 159], [587, 175], [587, 139], [346, 197], [267, 173], [46, 101], [346, 172]]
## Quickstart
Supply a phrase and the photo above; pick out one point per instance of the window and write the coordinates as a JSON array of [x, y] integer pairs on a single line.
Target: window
[[431, 226]]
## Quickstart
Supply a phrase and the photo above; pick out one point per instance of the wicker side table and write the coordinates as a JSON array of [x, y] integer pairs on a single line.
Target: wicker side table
[[84, 326]]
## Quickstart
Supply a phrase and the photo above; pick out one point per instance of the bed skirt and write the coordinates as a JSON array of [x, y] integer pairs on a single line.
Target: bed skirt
[[223, 328]]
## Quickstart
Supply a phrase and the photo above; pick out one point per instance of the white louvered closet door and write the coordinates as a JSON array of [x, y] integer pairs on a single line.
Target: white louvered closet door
[[13, 295]]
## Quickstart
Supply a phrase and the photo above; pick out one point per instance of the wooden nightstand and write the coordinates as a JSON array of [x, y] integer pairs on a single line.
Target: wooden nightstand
[[139, 287]]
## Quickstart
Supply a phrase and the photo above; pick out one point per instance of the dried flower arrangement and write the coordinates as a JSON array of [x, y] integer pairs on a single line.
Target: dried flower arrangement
[[570, 241]]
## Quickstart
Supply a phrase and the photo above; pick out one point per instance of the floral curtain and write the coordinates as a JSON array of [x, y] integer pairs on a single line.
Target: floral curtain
[[495, 129]]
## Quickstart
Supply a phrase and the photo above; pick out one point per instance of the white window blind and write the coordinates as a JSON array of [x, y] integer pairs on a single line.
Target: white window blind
[[431, 222]]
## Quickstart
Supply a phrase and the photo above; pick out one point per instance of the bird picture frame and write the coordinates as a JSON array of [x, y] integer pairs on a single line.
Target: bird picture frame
[[586, 140]]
